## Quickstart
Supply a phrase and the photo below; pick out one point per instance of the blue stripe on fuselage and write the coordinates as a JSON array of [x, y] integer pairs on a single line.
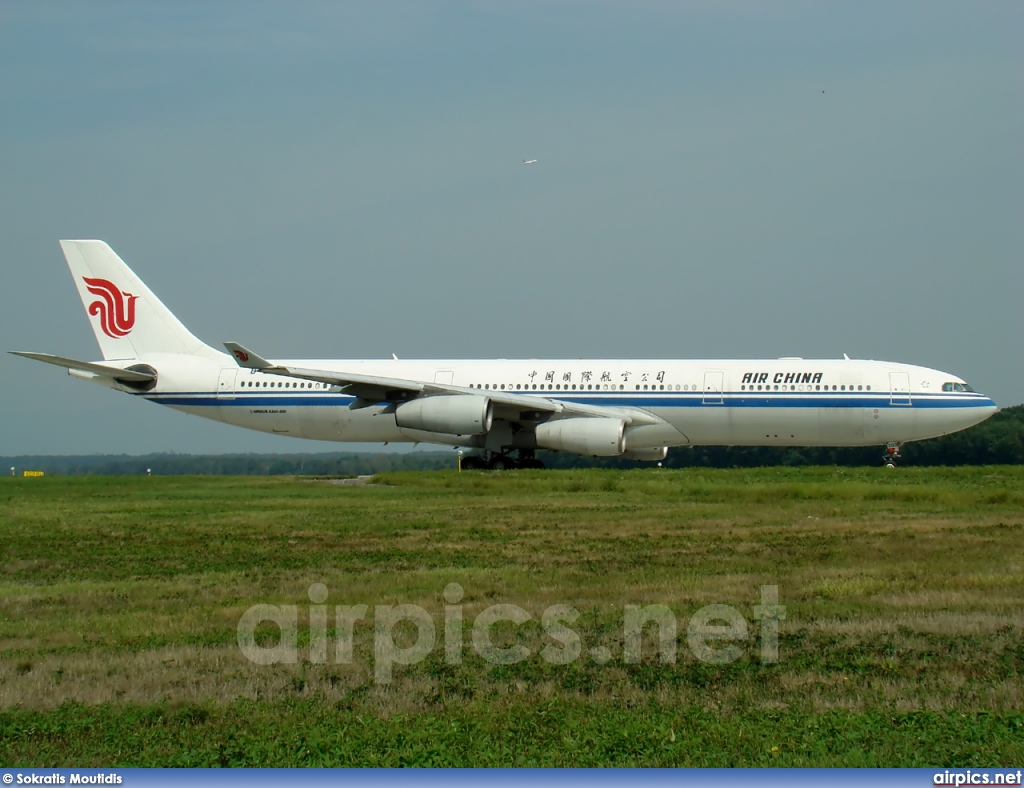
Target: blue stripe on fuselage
[[640, 399]]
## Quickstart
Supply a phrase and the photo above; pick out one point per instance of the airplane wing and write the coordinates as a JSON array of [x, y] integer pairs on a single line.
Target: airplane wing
[[368, 389], [371, 390], [116, 373]]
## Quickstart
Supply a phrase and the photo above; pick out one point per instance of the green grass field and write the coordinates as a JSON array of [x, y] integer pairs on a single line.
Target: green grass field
[[902, 641]]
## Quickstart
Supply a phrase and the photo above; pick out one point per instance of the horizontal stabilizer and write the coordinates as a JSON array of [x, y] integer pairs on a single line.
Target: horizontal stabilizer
[[87, 366]]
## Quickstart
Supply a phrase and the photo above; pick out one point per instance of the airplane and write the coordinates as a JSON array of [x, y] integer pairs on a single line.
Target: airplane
[[508, 409], [531, 161]]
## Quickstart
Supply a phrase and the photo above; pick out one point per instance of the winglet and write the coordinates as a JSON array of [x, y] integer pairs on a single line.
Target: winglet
[[246, 358]]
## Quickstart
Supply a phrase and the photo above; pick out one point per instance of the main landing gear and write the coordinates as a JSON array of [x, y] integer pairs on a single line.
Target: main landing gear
[[892, 453], [496, 461]]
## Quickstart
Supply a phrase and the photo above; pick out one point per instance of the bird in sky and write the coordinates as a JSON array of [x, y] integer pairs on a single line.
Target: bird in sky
[[529, 161]]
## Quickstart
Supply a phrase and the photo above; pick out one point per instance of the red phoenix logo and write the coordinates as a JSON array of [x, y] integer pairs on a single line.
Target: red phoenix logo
[[243, 357], [116, 309]]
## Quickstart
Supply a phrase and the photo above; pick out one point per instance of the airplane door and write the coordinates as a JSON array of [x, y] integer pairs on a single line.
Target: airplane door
[[899, 388], [713, 384], [444, 377], [226, 383]]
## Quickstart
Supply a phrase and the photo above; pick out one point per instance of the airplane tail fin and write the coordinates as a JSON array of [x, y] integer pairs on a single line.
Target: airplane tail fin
[[128, 320]]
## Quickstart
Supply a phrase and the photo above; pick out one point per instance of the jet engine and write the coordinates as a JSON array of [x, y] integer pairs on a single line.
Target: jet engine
[[459, 414], [597, 437]]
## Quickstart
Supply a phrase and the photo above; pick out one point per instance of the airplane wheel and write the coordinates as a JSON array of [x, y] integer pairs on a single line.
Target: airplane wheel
[[501, 463], [473, 463], [890, 465]]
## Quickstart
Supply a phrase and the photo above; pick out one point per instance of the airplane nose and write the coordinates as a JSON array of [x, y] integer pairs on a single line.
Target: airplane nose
[[985, 409]]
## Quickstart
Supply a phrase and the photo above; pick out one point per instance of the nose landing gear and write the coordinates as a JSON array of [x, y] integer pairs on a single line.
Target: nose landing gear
[[892, 453]]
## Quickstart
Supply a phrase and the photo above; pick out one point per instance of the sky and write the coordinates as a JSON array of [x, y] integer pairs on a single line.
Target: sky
[[345, 180]]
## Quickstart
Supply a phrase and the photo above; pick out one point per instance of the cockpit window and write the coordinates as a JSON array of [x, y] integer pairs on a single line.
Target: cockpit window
[[956, 387]]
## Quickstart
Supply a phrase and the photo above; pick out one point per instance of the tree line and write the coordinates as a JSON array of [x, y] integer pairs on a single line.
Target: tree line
[[329, 464], [997, 441]]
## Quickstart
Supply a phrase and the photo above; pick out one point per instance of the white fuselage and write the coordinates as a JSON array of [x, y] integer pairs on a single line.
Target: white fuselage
[[783, 402]]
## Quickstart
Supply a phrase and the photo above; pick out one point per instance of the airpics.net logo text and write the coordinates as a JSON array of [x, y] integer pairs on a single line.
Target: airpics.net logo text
[[712, 634], [974, 777]]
